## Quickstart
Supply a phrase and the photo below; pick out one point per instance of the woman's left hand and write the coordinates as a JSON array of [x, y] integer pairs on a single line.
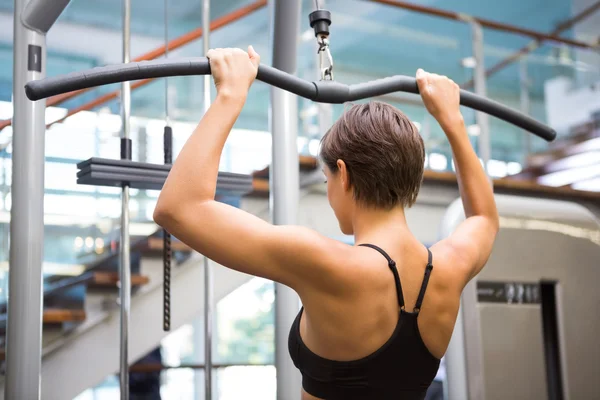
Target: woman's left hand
[[233, 70]]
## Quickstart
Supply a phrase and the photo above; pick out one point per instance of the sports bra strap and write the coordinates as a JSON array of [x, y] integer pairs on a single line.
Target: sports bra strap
[[425, 282], [392, 265]]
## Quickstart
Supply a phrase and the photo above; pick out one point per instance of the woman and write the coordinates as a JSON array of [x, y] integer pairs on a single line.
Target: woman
[[377, 317]]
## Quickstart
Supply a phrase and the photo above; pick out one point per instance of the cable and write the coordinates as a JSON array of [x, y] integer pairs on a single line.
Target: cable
[[168, 159], [166, 57]]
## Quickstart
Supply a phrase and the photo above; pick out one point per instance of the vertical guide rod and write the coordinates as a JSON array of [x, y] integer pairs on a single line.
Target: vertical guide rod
[[469, 313], [208, 278], [284, 179], [125, 248], [168, 159], [525, 103], [167, 122], [464, 358], [24, 327], [484, 146]]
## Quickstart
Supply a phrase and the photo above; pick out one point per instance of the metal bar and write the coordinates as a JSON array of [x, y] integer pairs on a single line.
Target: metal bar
[[125, 249], [24, 330], [166, 51], [585, 13], [473, 345], [537, 43], [327, 92], [486, 23], [40, 15], [525, 103], [197, 354], [284, 180], [208, 325], [464, 363], [168, 159], [156, 367], [483, 141], [457, 374], [455, 385], [176, 43], [472, 326], [208, 276], [97, 102]]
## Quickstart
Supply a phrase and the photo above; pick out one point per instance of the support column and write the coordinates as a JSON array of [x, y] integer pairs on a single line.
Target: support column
[[198, 355], [40, 15], [284, 180], [125, 248], [208, 275], [24, 327], [464, 358], [525, 103], [482, 119], [142, 156]]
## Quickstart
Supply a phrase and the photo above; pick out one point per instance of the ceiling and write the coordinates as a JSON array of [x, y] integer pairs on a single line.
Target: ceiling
[[368, 41]]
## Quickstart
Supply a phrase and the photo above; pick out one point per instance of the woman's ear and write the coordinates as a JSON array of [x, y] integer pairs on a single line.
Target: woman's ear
[[344, 175]]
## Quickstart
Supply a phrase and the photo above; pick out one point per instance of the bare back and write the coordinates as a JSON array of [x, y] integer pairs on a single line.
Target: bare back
[[359, 319]]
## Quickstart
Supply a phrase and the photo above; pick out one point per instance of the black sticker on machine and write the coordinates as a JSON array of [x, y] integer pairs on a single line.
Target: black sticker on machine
[[508, 292], [34, 58]]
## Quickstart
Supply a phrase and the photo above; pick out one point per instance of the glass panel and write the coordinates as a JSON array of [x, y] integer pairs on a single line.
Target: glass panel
[[229, 383], [245, 324], [184, 346], [245, 382], [107, 390], [182, 384]]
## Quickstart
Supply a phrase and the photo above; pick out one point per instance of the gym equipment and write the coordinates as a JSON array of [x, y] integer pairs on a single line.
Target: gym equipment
[[116, 173], [528, 326], [125, 248], [168, 159], [324, 91], [208, 275], [320, 91]]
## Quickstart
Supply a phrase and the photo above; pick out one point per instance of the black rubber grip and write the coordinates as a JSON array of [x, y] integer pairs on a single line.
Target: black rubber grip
[[407, 84], [126, 150], [168, 145], [316, 91]]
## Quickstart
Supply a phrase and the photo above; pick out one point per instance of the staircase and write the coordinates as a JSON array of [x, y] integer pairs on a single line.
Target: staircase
[[81, 315], [80, 344]]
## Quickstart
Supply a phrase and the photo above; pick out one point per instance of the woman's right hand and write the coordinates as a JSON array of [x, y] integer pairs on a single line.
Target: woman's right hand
[[233, 70], [441, 97]]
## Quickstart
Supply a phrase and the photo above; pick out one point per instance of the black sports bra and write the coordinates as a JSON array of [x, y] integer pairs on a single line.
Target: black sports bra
[[403, 368]]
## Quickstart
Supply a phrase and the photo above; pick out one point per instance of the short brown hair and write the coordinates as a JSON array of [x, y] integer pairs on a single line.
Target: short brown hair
[[383, 152]]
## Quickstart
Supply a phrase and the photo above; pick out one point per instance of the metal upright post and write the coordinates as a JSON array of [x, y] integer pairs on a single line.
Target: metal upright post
[[125, 248], [524, 98], [284, 180], [484, 144], [24, 328], [208, 278], [464, 358]]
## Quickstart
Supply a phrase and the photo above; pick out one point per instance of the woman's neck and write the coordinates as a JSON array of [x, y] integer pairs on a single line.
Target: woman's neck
[[377, 225]]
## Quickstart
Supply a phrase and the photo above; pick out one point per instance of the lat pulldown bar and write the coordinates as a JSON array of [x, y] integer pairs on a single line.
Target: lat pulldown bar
[[321, 91]]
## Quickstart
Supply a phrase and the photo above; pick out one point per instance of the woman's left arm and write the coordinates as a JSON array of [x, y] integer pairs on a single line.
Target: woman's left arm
[[231, 237]]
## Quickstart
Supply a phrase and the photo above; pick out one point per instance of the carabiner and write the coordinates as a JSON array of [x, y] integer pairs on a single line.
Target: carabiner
[[325, 59]]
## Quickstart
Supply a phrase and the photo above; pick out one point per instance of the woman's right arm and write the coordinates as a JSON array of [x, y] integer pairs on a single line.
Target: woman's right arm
[[473, 240]]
